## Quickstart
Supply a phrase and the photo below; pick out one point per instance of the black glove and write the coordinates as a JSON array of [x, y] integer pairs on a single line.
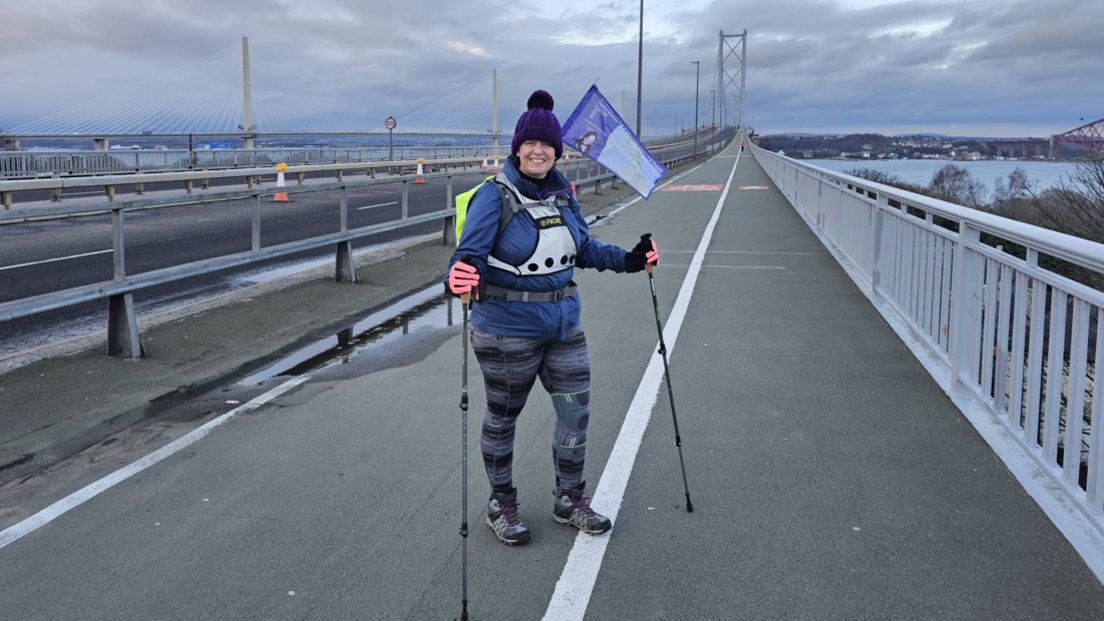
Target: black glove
[[636, 258]]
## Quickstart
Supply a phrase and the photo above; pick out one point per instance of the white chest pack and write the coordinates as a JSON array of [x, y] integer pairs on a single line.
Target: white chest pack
[[555, 249]]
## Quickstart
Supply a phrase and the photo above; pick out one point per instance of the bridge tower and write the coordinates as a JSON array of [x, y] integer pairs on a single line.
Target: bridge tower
[[247, 110], [724, 78], [494, 109]]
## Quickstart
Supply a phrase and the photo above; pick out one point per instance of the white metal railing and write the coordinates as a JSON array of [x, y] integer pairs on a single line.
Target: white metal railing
[[70, 163], [22, 164], [669, 154], [976, 288]]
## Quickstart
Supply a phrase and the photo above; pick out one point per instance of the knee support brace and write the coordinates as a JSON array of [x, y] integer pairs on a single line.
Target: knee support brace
[[572, 418]]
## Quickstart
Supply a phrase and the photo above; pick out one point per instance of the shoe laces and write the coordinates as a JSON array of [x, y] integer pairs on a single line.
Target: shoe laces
[[580, 504], [510, 512]]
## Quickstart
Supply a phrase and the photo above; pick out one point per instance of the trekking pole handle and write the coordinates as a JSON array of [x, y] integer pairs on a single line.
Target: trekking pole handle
[[649, 267], [465, 298]]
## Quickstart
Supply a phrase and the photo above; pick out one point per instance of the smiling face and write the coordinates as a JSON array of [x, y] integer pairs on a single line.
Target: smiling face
[[536, 158]]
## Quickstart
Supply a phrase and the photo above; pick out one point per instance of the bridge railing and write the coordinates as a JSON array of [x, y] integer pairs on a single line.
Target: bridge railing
[[123, 338], [24, 164], [983, 294], [253, 164], [68, 163]]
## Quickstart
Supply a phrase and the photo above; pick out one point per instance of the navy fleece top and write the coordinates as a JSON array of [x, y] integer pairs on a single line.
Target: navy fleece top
[[513, 246]]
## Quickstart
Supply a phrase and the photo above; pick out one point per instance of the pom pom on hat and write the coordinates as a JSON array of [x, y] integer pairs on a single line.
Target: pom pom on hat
[[538, 123], [542, 100]]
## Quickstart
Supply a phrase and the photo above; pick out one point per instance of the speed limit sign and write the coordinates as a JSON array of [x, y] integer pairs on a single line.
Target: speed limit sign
[[389, 123]]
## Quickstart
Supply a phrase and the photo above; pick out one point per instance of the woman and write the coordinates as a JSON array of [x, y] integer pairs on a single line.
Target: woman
[[525, 324], [583, 143]]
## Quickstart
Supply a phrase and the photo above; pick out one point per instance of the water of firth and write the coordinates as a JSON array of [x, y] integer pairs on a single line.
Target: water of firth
[[1043, 174]]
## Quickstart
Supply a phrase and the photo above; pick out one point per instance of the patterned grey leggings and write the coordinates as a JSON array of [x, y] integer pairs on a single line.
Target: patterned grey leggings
[[510, 366]]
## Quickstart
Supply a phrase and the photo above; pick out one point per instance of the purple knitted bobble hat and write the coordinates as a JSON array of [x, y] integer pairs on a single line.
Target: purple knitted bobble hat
[[538, 123]]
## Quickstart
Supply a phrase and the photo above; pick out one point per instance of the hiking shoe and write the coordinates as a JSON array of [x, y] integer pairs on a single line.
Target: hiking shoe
[[502, 517], [571, 507]]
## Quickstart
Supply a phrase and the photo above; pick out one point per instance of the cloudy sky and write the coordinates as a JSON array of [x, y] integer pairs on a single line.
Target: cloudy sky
[[983, 67]]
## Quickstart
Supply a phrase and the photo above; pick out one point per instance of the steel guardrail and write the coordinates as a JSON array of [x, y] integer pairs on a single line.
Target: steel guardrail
[[98, 291], [122, 320], [981, 294], [39, 164], [9, 187]]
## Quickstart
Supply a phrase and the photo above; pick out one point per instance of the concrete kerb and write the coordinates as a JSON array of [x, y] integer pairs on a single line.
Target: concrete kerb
[[44, 421]]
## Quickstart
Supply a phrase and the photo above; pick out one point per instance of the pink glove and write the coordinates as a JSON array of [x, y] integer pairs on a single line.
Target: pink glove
[[653, 255], [462, 277]]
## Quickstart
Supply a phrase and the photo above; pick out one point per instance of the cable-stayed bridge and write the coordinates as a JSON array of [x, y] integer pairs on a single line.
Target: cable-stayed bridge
[[206, 98], [212, 97]]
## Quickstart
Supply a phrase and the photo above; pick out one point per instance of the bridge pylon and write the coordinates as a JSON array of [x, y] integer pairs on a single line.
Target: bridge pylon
[[725, 78]]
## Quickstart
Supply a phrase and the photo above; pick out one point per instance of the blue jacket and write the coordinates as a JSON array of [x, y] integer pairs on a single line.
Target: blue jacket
[[480, 239]]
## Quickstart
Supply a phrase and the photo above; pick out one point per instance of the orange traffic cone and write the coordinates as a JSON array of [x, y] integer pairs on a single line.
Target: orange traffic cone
[[496, 162], [418, 175], [485, 161], [280, 197]]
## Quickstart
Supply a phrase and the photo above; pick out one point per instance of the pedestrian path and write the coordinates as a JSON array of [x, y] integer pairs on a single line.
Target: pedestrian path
[[831, 477]]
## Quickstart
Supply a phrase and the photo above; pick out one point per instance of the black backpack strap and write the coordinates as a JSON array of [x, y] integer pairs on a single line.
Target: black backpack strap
[[510, 207]]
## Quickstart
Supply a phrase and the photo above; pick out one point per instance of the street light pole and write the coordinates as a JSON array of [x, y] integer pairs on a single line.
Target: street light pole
[[712, 99], [697, 76], [640, 69]]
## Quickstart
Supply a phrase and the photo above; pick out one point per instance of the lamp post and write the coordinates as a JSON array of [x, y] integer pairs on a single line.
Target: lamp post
[[697, 76], [640, 69], [712, 98]]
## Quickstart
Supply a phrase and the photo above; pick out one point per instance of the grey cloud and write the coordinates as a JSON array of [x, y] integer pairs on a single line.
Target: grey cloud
[[812, 64]]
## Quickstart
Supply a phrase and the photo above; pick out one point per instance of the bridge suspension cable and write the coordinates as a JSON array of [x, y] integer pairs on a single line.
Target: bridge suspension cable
[[465, 111], [204, 96]]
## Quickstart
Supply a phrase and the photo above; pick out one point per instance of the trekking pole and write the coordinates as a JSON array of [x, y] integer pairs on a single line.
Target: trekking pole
[[667, 376], [465, 300]]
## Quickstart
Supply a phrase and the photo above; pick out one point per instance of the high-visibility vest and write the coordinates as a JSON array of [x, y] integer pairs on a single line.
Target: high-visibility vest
[[464, 198]]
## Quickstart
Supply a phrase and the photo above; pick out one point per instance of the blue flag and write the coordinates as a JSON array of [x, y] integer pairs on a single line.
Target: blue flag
[[598, 132]]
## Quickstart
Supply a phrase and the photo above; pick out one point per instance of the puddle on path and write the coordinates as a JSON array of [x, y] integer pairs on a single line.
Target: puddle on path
[[402, 333]]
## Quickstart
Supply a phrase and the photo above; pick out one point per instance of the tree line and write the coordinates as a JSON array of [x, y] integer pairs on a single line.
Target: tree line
[[1075, 206]]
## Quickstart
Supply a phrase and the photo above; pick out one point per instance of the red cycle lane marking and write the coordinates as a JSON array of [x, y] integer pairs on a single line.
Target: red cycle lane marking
[[692, 188]]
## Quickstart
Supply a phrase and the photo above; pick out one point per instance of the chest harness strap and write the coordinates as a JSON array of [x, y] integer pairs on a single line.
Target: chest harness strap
[[529, 296]]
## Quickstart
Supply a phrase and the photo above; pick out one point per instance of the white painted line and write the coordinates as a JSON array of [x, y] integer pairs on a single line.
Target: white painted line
[[74, 256], [380, 205], [733, 267], [74, 500], [572, 595], [797, 254]]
